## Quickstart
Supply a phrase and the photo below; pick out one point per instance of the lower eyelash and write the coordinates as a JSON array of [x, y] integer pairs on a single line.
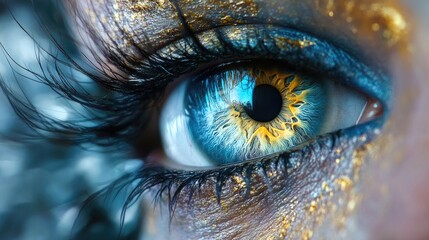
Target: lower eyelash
[[174, 186]]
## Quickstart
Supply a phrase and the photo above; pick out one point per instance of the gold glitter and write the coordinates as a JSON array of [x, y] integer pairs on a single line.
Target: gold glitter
[[307, 234], [326, 187], [286, 224], [227, 19], [313, 207], [392, 22], [344, 183], [375, 27], [198, 14], [240, 184], [336, 198], [283, 42], [351, 205], [349, 19], [366, 16], [147, 5]]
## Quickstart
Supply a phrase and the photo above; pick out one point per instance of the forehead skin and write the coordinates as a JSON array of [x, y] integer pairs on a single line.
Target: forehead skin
[[389, 196]]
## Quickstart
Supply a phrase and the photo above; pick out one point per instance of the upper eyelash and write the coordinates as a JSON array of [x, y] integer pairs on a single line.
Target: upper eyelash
[[123, 111], [126, 105], [120, 112]]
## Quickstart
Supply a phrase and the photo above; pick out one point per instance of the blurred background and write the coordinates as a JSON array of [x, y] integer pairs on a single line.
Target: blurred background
[[43, 184]]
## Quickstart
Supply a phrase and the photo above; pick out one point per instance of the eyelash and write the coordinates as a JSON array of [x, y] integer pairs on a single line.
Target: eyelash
[[150, 78], [171, 184]]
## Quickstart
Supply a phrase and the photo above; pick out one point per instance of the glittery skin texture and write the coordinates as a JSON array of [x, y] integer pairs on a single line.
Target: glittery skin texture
[[381, 18], [322, 192], [127, 23], [311, 199]]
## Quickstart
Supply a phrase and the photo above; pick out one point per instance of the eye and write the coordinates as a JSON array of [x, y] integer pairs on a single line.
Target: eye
[[250, 109], [243, 112]]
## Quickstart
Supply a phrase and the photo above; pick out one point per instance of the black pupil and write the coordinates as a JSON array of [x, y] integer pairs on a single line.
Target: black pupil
[[266, 105]]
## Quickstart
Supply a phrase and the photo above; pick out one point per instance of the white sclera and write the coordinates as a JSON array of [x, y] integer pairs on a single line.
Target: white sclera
[[178, 143], [345, 108]]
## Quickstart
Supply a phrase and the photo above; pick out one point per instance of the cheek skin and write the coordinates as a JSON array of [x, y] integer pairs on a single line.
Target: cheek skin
[[397, 194]]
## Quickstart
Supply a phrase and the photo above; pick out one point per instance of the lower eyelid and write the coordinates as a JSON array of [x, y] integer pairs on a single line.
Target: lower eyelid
[[291, 179], [333, 145]]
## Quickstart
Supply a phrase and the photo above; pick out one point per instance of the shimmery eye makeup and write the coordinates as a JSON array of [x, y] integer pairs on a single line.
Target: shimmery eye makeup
[[270, 113], [299, 50]]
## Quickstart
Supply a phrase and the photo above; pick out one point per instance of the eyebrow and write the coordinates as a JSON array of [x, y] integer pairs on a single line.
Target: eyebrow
[[126, 24]]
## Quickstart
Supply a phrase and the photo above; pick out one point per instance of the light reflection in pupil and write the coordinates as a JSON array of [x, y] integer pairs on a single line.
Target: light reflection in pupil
[[266, 103]]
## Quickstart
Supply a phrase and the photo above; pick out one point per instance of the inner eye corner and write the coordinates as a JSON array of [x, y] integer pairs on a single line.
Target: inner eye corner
[[374, 109]]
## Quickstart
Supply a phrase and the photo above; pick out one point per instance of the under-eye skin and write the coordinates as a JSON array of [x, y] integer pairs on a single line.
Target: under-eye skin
[[247, 108]]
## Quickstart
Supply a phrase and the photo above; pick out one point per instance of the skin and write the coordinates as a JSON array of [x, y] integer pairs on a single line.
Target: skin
[[375, 191]]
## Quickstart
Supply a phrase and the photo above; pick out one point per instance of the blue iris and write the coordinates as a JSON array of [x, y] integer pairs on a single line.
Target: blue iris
[[229, 125]]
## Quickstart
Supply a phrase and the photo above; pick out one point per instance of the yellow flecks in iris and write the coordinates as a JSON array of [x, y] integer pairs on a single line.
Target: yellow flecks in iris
[[234, 113], [267, 137], [271, 133]]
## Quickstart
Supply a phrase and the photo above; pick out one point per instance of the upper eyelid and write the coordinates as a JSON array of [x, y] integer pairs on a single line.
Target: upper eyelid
[[237, 41]]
